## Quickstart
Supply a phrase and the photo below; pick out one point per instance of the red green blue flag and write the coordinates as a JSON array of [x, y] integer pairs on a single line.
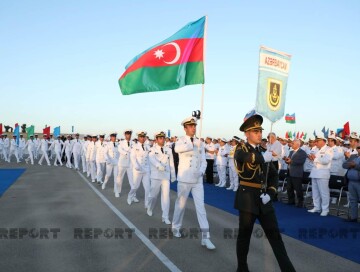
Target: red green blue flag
[[168, 65], [290, 118]]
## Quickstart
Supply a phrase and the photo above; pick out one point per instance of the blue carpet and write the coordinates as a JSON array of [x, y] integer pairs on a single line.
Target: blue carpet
[[329, 233], [8, 177]]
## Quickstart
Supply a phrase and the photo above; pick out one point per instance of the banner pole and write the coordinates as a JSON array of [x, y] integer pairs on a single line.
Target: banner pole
[[203, 85]]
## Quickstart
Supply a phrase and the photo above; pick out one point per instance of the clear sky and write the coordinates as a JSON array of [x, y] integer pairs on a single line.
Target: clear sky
[[60, 62]]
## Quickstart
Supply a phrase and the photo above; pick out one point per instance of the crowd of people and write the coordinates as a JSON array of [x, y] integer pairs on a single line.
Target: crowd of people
[[317, 158]]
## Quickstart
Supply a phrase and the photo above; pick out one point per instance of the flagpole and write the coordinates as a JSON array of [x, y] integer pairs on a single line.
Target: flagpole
[[203, 85]]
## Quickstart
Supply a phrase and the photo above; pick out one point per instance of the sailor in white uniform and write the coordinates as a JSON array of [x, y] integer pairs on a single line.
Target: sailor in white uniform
[[111, 154], [162, 172], [76, 150], [124, 165], [192, 166], [100, 159], [141, 169], [30, 145]]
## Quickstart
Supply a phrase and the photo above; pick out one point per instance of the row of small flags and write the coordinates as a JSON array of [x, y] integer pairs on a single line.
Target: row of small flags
[[31, 131], [298, 135]]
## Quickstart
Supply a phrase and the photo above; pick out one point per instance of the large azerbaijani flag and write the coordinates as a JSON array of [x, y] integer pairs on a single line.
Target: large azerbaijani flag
[[168, 65]]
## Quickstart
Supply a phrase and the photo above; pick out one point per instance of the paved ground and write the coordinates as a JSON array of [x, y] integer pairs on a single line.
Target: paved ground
[[64, 202]]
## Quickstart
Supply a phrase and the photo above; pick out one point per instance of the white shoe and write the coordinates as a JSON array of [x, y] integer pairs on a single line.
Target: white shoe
[[176, 233], [230, 188], [135, 200], [49, 164], [333, 200], [26, 161], [166, 221], [117, 195], [39, 163], [313, 210], [222, 185], [103, 186], [129, 200], [149, 212], [217, 184], [55, 164], [324, 213], [347, 205], [207, 243], [93, 181], [235, 189]]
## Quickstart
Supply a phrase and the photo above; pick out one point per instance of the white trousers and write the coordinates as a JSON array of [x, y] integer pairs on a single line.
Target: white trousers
[[31, 156], [137, 178], [92, 167], [233, 175], [84, 163], [112, 169], [100, 169], [68, 158], [222, 174], [164, 184], [21, 153], [57, 158], [197, 191], [76, 156], [121, 176], [5, 154], [44, 155], [321, 194], [15, 152]]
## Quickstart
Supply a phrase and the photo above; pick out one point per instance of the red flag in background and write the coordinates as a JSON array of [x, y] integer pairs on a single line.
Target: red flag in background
[[286, 135], [1, 132], [301, 135], [297, 135], [346, 131], [46, 131]]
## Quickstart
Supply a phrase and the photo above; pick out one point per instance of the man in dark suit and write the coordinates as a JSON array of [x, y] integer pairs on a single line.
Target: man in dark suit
[[258, 182], [296, 160]]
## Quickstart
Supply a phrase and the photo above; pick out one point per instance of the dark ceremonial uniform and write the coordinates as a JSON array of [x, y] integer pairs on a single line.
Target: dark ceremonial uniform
[[252, 170]]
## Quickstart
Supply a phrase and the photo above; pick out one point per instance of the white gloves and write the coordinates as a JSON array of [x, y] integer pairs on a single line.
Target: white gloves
[[161, 168], [267, 156], [265, 198]]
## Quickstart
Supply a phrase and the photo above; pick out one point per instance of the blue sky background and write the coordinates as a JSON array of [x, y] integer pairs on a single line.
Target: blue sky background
[[60, 62]]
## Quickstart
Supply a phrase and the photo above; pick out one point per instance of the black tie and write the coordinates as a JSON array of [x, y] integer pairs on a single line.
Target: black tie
[[143, 147], [114, 144], [257, 149], [77, 140], [192, 140], [162, 150], [128, 143]]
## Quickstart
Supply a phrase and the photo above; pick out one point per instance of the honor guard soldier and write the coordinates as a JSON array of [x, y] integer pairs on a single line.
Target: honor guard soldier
[[141, 169], [192, 166], [112, 158], [67, 146], [91, 157], [30, 145], [253, 198], [100, 158], [162, 172], [124, 165], [57, 146], [76, 150]]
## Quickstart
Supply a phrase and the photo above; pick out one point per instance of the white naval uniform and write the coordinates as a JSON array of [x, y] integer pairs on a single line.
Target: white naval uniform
[[233, 175], [6, 149], [221, 163], [30, 145], [21, 148], [51, 148], [141, 170], [320, 175], [337, 161], [67, 147], [1, 148], [124, 165], [85, 162], [192, 166], [36, 151], [112, 157], [100, 160], [57, 147], [285, 150], [44, 146], [162, 171], [76, 152], [90, 158], [14, 149]]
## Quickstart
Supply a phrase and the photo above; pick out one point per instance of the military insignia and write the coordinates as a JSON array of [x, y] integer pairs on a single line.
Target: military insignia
[[274, 93]]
